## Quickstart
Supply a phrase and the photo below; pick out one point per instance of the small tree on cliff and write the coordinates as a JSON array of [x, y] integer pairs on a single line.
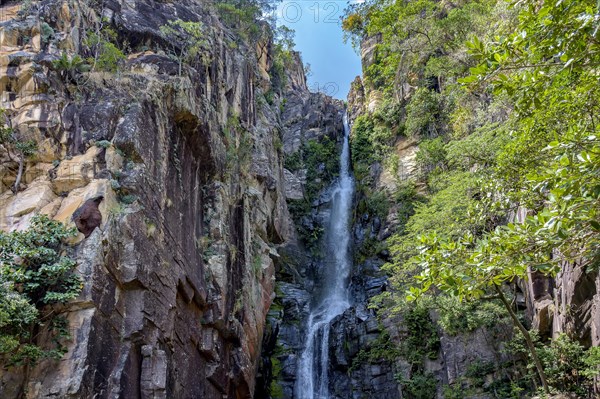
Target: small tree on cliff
[[34, 276], [187, 40], [15, 147]]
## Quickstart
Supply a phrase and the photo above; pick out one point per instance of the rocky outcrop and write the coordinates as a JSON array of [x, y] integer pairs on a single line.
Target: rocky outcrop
[[88, 216], [576, 304], [178, 259]]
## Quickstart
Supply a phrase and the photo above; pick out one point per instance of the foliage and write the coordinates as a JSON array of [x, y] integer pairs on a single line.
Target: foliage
[[15, 144], [321, 162], [128, 199], [187, 40], [431, 156], [243, 16], [569, 366], [424, 114], [70, 68], [457, 317], [238, 143], [557, 175], [380, 350], [284, 38], [375, 205], [46, 32], [424, 37], [293, 162], [106, 55], [33, 275], [103, 144], [406, 198], [513, 114], [476, 381], [319, 158], [283, 44], [420, 385], [477, 150], [421, 340], [361, 142]]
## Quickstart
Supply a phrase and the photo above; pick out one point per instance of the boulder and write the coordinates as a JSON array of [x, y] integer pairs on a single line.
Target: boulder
[[87, 217]]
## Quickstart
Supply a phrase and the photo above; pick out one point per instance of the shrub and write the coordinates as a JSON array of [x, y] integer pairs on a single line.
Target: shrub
[[293, 162], [33, 275], [360, 141], [107, 56], [419, 386], [69, 68], [569, 367], [461, 317]]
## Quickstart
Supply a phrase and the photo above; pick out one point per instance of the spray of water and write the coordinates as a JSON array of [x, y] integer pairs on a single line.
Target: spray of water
[[313, 379]]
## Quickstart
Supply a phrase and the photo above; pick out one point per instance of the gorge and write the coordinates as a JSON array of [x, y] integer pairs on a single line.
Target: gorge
[[181, 217]]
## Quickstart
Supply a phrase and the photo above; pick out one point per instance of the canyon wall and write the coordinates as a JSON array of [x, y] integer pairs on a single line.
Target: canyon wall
[[184, 162]]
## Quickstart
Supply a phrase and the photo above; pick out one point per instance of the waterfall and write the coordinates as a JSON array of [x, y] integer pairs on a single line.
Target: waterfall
[[313, 380]]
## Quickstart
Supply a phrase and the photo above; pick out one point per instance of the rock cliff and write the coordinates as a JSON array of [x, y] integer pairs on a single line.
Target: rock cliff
[[183, 163]]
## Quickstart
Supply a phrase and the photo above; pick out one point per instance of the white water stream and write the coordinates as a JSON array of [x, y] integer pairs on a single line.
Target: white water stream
[[313, 379]]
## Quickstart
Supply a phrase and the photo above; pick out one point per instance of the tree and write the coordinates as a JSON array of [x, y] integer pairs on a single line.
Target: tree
[[284, 37], [188, 41], [34, 275], [15, 146], [551, 166]]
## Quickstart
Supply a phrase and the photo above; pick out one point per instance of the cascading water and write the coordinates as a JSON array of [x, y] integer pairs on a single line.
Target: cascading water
[[313, 381]]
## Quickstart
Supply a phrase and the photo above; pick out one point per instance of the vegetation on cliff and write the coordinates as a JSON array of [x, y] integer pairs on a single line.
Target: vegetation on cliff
[[503, 100], [36, 277]]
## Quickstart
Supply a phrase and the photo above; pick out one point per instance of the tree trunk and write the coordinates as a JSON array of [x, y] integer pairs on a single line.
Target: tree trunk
[[530, 345], [20, 173]]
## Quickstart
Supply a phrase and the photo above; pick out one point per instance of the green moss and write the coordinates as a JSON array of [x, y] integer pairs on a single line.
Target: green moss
[[275, 388]]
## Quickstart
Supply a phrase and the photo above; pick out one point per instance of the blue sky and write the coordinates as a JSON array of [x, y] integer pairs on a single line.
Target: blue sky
[[319, 38]]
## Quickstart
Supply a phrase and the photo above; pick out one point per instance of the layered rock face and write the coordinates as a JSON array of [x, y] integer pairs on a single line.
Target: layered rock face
[[185, 170]]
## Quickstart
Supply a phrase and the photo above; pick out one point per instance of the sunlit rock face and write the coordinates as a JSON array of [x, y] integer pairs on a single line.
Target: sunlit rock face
[[178, 271]]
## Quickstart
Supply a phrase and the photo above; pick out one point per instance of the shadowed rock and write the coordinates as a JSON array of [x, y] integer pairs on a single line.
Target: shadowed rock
[[87, 217]]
